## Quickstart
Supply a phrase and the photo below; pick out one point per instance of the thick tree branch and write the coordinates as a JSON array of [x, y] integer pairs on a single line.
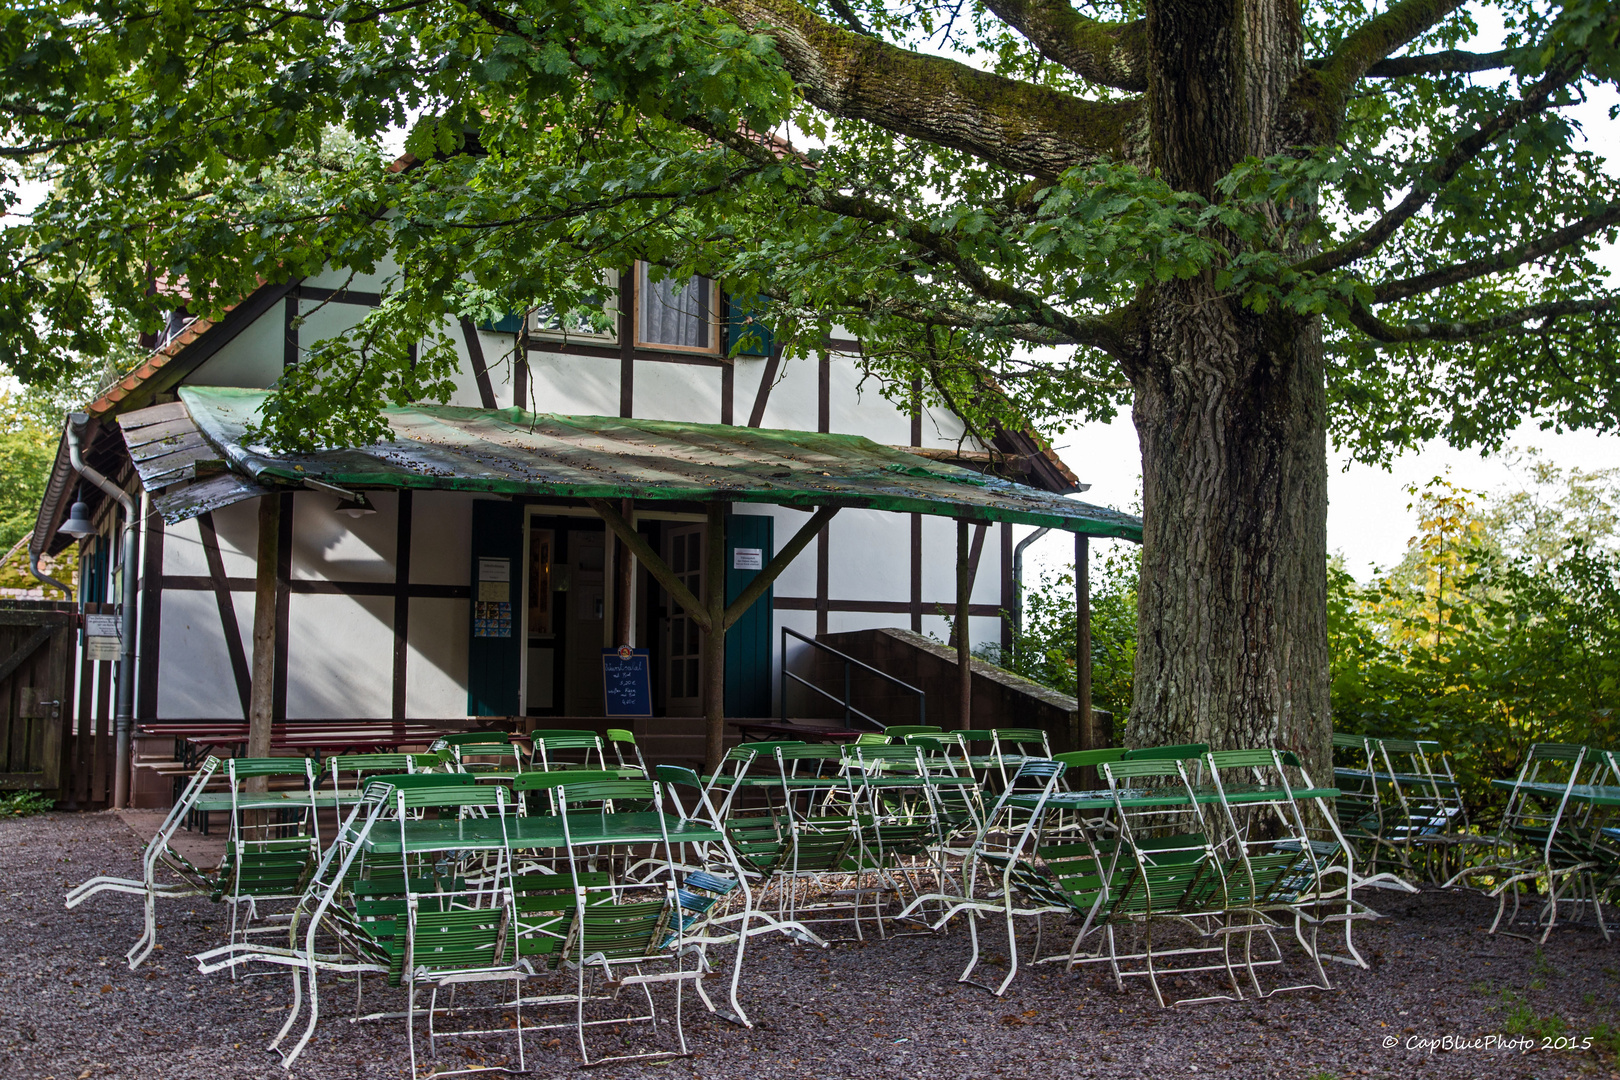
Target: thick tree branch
[[1380, 36], [1508, 321], [1316, 101], [1024, 128], [1110, 54], [1441, 172], [1102, 332], [1538, 248], [851, 20], [1448, 62]]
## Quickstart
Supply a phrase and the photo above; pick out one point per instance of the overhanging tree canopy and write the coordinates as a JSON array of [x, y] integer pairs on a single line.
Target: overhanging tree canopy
[[1252, 221]]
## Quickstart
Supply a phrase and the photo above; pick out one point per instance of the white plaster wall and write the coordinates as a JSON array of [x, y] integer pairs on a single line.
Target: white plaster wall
[[687, 392], [340, 656], [574, 385], [195, 680], [384, 277], [805, 623], [869, 556], [799, 579], [328, 546], [939, 564], [252, 358], [441, 539], [794, 400], [182, 550], [328, 319], [856, 406], [499, 351], [747, 373], [436, 666], [238, 529], [943, 428]]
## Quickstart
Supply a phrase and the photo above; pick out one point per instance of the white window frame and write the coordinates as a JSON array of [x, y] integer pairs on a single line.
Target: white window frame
[[715, 346], [610, 280]]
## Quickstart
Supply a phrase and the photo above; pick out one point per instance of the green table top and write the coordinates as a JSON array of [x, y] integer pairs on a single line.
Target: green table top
[[528, 833], [268, 800], [1137, 798], [842, 781], [1403, 778], [1594, 794]]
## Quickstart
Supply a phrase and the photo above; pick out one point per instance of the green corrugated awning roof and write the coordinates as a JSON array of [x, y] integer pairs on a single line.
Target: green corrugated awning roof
[[513, 452]]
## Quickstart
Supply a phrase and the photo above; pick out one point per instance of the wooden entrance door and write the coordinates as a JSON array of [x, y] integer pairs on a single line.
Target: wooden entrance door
[[683, 675], [36, 642]]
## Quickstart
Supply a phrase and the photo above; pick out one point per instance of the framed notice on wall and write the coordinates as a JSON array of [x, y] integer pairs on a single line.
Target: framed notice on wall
[[492, 603]]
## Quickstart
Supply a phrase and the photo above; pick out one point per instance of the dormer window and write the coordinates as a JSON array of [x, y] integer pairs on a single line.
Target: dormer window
[[675, 315]]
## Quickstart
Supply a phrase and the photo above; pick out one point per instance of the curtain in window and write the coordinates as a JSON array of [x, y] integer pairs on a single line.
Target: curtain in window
[[675, 312]]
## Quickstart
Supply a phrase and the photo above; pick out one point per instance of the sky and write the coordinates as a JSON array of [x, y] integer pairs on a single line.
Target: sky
[[1369, 522]]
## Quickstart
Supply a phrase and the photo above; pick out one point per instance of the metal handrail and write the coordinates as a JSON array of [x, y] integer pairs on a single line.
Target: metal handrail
[[849, 708]]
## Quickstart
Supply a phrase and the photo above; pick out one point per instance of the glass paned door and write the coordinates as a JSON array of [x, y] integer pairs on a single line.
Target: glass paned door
[[683, 551]]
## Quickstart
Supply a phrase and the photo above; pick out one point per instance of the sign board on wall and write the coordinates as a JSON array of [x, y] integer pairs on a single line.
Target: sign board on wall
[[103, 626], [626, 682], [747, 558], [103, 636]]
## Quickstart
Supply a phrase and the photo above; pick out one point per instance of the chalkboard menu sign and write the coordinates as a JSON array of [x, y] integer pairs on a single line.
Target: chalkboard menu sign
[[626, 682]]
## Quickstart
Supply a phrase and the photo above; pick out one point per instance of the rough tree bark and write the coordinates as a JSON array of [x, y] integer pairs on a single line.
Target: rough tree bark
[[1230, 413]]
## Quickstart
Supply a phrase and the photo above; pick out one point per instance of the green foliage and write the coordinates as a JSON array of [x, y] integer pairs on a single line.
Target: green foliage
[[23, 803], [237, 144], [1483, 641], [1044, 652], [27, 449]]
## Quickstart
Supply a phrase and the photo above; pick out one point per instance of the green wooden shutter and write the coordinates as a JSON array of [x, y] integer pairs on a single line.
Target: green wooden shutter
[[748, 642], [743, 322], [495, 651]]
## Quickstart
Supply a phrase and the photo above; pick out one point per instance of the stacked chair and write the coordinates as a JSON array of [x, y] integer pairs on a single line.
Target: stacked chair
[[1186, 864], [272, 845], [1401, 804], [1557, 841], [485, 892]]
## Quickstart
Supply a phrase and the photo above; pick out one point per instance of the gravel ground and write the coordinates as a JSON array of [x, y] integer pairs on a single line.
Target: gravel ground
[[70, 1009]]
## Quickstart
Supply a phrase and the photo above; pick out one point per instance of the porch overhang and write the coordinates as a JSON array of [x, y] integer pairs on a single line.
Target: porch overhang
[[195, 455]]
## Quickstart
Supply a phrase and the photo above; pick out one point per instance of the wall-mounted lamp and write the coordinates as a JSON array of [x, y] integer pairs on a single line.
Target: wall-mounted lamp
[[355, 506], [78, 525]]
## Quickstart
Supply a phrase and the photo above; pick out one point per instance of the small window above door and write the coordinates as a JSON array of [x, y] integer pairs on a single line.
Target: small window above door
[[676, 315]]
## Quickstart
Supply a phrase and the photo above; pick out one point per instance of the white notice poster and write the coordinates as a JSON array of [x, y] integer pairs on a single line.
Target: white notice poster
[[101, 648], [747, 558], [494, 569], [103, 626]]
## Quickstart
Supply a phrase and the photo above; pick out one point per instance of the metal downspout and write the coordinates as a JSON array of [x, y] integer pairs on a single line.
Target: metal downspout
[[42, 577], [124, 716], [1018, 577]]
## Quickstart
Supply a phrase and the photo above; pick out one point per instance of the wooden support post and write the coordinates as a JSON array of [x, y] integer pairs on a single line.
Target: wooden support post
[[712, 613], [622, 583], [714, 641], [964, 654], [261, 690], [1082, 643]]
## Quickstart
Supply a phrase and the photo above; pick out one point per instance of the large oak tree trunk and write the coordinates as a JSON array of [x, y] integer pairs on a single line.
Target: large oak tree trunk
[[1230, 412], [1231, 627]]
